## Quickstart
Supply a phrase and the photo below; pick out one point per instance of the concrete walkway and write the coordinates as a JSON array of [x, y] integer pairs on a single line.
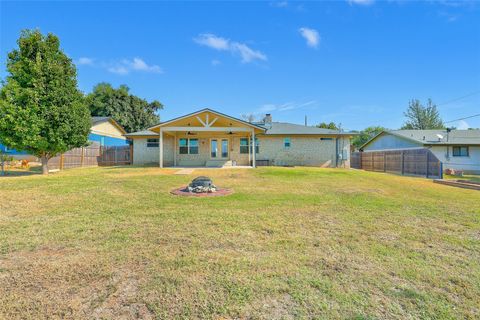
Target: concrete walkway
[[185, 171]]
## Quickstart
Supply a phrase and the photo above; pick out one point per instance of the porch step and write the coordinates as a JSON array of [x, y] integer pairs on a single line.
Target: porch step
[[218, 163]]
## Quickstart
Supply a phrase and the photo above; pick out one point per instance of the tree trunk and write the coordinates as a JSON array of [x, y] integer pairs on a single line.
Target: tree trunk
[[44, 164]]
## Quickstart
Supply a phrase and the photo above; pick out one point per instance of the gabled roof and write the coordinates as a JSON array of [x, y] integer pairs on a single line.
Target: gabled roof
[[141, 133], [211, 111], [285, 128], [435, 137], [97, 120]]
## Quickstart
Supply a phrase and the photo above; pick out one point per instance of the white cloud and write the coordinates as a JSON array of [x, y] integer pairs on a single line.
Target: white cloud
[[118, 70], [279, 4], [311, 35], [216, 62], [246, 53], [85, 61], [463, 125], [137, 64], [212, 41], [361, 2], [140, 65]]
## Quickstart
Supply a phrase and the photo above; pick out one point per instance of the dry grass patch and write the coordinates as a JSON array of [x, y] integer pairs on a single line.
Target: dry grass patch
[[290, 243]]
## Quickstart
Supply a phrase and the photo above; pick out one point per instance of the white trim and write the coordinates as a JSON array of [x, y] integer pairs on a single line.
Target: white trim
[[253, 150], [205, 129], [212, 122], [160, 140], [211, 111], [201, 121]]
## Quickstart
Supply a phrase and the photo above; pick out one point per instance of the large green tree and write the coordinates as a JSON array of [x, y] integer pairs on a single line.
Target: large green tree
[[422, 117], [41, 109], [331, 125], [130, 111], [365, 135]]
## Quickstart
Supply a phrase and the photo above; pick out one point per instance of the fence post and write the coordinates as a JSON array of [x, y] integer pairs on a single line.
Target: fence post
[[384, 161], [403, 160], [82, 159], [61, 161], [428, 154], [130, 158], [115, 156], [441, 169]]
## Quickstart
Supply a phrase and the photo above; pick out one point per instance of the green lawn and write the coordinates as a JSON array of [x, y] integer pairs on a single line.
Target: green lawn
[[108, 243]]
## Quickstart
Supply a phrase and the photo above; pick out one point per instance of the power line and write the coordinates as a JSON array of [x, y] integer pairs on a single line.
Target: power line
[[460, 98], [475, 115]]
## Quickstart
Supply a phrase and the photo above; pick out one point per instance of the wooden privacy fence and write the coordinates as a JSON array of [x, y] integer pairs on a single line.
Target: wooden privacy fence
[[91, 156], [416, 162]]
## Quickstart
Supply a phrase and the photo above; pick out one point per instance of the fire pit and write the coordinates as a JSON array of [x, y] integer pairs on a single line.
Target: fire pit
[[201, 187]]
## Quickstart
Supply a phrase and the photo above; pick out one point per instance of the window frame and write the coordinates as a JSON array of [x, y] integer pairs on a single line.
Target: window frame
[[248, 146], [188, 146], [459, 153], [287, 140], [153, 143]]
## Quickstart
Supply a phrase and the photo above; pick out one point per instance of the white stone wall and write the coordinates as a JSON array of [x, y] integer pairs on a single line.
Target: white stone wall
[[467, 164], [304, 151], [143, 155]]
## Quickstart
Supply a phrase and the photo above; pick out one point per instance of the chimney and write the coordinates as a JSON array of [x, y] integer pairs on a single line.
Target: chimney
[[268, 118]]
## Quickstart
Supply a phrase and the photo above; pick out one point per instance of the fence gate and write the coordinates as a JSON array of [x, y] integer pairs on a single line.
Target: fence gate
[[92, 156], [416, 162]]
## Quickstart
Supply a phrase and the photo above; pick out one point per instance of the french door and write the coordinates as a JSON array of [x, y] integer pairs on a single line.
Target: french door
[[219, 148]]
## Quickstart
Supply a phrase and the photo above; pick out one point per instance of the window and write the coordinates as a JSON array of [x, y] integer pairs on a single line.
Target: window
[[193, 146], [326, 139], [188, 146], [460, 151], [245, 145], [213, 148], [152, 143], [286, 142], [183, 145], [224, 148]]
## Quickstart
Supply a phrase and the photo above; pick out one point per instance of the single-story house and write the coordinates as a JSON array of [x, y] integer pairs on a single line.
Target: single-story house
[[456, 149], [213, 139], [105, 131]]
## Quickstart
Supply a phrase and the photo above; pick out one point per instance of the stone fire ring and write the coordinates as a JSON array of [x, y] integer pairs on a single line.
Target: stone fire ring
[[183, 191]]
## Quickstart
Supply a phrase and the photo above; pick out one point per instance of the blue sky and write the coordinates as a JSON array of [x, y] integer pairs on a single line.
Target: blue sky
[[355, 62]]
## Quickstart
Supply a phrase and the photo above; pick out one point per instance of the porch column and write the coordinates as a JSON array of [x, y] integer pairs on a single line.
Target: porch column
[[253, 150], [249, 137], [160, 147], [175, 149]]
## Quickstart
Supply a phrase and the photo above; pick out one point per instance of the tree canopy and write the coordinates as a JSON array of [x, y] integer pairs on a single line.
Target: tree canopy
[[131, 112], [422, 118], [331, 125], [366, 135], [41, 109]]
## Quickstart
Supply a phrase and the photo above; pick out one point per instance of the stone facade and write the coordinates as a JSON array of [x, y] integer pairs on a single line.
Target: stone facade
[[303, 151]]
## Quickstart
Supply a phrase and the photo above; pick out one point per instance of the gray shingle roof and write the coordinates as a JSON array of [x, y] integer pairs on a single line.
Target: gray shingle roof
[[141, 133], [285, 128], [99, 119], [429, 137]]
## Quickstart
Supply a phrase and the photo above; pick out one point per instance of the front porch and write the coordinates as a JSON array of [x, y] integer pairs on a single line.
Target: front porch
[[206, 139]]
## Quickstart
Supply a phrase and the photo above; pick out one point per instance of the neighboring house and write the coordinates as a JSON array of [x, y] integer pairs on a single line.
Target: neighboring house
[[456, 149], [104, 130], [213, 139]]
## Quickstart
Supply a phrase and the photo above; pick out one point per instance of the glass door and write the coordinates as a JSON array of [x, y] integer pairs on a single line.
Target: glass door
[[224, 148], [213, 148]]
